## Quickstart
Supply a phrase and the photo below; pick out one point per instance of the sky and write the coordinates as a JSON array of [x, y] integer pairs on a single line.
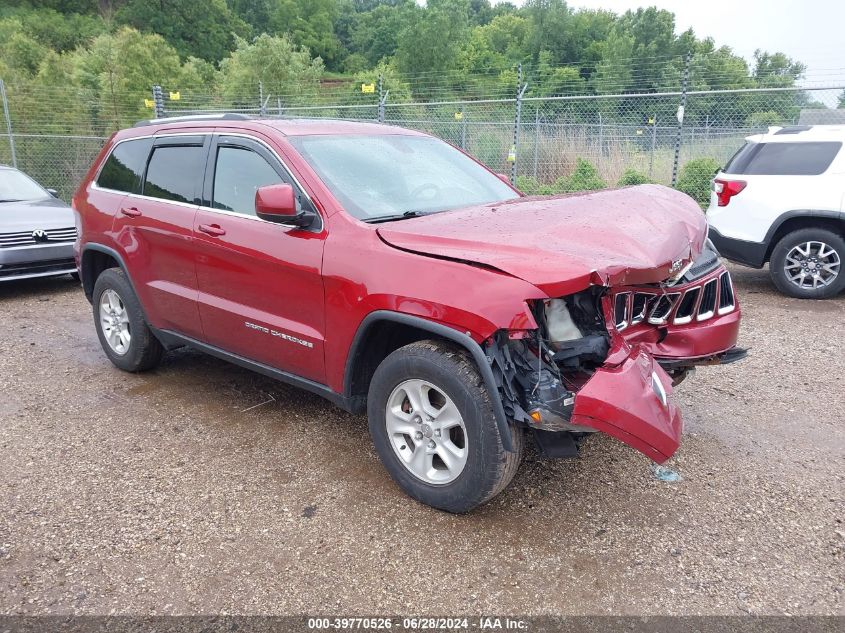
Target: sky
[[810, 30]]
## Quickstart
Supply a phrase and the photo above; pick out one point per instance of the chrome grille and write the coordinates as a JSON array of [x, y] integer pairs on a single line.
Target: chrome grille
[[726, 293], [687, 306], [26, 238], [697, 301], [707, 307], [662, 308]]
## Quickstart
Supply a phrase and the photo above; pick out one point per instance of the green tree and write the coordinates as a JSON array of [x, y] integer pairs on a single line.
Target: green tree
[[283, 68], [203, 29], [431, 43], [375, 34], [310, 24], [550, 30], [118, 70], [58, 31]]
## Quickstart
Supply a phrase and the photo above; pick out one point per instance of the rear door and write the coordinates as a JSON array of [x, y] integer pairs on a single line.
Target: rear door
[[155, 232], [260, 284]]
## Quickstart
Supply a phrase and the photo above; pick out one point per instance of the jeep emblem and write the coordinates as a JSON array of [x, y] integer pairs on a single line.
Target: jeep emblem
[[40, 235]]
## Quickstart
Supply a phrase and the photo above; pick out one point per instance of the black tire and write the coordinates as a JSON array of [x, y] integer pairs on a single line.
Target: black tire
[[790, 241], [488, 469], [144, 350]]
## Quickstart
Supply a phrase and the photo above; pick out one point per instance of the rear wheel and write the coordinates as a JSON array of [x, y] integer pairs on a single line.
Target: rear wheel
[[807, 264], [432, 424], [126, 339]]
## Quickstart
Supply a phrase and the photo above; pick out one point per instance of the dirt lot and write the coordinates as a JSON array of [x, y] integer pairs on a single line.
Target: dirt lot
[[202, 487]]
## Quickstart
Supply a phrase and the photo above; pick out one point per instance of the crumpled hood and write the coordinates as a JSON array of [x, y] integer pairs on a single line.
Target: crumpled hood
[[563, 244], [29, 215]]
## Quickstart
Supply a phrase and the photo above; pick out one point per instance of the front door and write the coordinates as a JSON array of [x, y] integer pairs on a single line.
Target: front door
[[260, 289]]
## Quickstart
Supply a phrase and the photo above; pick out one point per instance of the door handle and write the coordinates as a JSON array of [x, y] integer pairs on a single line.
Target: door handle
[[212, 229], [130, 212]]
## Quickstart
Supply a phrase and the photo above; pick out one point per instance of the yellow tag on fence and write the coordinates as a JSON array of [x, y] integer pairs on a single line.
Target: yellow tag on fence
[[149, 103], [365, 88], [175, 96], [512, 154], [459, 116]]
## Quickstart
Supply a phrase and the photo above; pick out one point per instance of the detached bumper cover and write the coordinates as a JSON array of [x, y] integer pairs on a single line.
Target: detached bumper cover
[[629, 402]]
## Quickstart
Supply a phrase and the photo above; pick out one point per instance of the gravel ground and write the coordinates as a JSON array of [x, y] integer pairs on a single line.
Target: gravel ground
[[201, 488]]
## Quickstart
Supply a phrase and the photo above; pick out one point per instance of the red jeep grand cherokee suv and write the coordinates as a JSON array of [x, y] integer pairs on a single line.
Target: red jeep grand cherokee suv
[[389, 272]]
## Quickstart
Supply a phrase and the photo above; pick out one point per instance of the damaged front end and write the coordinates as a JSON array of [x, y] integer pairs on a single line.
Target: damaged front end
[[573, 375]]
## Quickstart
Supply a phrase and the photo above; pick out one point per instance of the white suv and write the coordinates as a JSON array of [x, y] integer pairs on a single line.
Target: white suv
[[780, 200]]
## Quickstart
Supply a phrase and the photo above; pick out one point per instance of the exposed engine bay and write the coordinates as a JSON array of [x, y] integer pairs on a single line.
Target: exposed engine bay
[[606, 358], [541, 374]]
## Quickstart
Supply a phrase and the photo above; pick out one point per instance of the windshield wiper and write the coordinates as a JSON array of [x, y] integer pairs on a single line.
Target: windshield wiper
[[398, 216], [11, 200]]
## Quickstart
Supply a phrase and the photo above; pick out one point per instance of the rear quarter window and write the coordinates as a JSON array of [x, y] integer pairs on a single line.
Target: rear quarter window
[[124, 167], [808, 158]]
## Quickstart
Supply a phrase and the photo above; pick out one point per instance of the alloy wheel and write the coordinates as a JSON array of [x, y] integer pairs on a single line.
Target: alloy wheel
[[114, 321], [427, 432], [812, 265]]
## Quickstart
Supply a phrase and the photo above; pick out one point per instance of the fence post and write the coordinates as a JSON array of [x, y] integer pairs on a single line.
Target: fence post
[[520, 92], [653, 144], [463, 129], [601, 142], [8, 118], [158, 99], [536, 139], [381, 99], [681, 109]]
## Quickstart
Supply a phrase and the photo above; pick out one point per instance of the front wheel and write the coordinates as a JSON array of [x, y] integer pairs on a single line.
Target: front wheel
[[432, 423], [807, 264]]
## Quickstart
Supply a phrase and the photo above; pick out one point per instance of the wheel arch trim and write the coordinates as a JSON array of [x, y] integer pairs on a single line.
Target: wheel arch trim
[[805, 214], [442, 331]]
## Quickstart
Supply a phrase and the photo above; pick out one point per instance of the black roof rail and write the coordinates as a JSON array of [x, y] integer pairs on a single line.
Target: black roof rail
[[793, 129], [228, 116]]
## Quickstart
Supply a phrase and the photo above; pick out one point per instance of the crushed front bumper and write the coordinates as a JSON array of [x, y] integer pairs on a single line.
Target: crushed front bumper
[[631, 403]]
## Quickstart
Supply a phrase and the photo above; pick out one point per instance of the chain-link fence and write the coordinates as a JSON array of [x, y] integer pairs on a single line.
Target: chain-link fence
[[54, 133]]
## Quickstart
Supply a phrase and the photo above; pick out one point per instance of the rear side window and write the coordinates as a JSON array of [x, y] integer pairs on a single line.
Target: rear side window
[[783, 159], [125, 166], [175, 173]]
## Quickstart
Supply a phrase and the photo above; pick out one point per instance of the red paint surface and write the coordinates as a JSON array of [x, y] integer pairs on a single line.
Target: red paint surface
[[470, 269]]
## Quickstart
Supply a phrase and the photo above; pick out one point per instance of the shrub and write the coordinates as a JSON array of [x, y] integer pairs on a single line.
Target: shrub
[[532, 187], [695, 179], [584, 178], [633, 177]]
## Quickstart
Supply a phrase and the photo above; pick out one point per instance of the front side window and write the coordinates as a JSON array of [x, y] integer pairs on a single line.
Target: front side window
[[806, 158], [175, 173], [125, 166], [238, 174], [390, 175], [17, 187]]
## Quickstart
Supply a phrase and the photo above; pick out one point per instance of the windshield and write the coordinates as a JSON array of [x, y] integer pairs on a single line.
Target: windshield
[[15, 186], [390, 175]]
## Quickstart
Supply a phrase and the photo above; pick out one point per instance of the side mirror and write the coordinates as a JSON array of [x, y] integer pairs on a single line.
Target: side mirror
[[277, 203], [53, 193]]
